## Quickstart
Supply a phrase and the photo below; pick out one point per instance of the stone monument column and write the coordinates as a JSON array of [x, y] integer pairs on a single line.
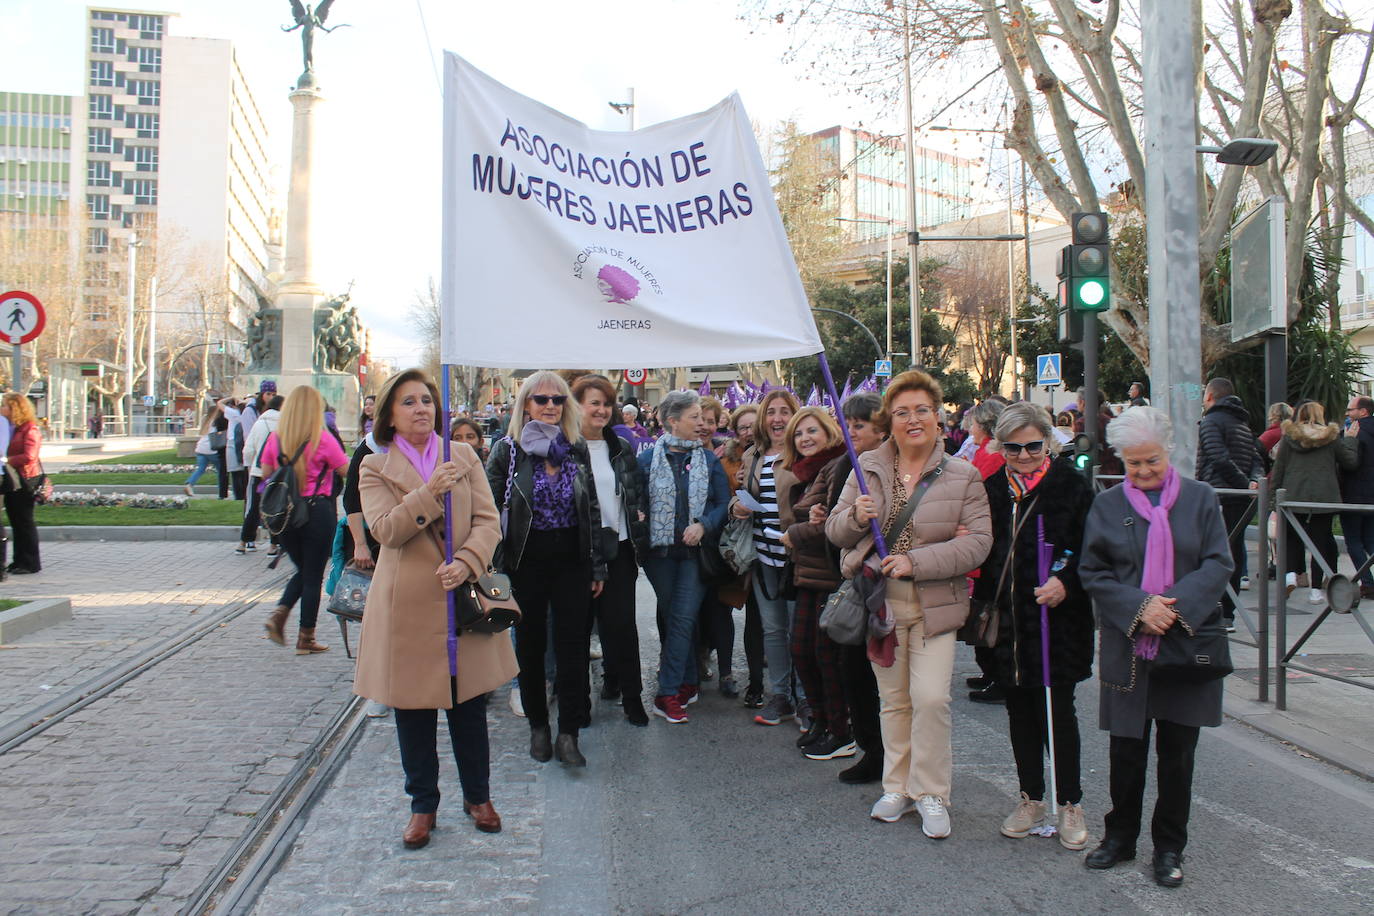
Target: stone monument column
[[298, 293]]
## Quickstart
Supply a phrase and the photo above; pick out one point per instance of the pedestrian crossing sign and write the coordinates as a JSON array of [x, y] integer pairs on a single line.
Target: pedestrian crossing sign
[[1047, 370], [882, 368]]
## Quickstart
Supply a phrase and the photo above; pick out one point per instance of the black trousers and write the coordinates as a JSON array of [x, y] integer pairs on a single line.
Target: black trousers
[[554, 572], [614, 612], [309, 547], [467, 732], [222, 473], [1318, 527], [23, 531], [1175, 748], [1029, 741], [861, 694], [1234, 511], [239, 479], [987, 663], [716, 630], [753, 641]]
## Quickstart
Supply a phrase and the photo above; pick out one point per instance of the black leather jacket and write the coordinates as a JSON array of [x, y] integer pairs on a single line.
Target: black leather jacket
[[521, 506]]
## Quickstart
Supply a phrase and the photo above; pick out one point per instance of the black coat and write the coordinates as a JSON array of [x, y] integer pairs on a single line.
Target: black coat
[[634, 494], [1062, 499], [521, 508], [1357, 486], [1226, 452]]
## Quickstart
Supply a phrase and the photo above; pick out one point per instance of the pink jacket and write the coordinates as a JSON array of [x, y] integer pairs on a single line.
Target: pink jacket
[[320, 463]]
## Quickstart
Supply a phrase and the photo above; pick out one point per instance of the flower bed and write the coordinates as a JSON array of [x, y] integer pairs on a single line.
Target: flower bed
[[119, 500], [127, 469]]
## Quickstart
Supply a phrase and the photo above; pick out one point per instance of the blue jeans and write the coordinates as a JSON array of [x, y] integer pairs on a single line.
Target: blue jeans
[[679, 589], [202, 462], [776, 614], [1358, 528]]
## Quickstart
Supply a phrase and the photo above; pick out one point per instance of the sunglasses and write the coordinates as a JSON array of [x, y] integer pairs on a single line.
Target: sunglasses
[[542, 399], [1032, 448]]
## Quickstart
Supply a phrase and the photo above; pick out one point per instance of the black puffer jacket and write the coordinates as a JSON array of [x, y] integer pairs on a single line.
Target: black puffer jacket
[[1226, 453], [1062, 499], [521, 506], [634, 493]]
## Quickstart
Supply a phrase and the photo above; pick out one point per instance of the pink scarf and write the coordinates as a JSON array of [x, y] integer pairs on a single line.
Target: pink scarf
[[425, 463], [1158, 576]]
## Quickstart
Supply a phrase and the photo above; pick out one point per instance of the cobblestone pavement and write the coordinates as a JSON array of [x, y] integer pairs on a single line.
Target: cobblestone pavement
[[126, 597], [723, 816], [128, 804]]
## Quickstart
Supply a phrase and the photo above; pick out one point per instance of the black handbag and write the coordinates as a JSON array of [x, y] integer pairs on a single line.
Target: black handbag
[[984, 619], [486, 604], [1193, 658]]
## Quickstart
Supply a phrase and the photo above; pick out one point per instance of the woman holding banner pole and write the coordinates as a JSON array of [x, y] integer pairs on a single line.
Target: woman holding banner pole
[[541, 477]]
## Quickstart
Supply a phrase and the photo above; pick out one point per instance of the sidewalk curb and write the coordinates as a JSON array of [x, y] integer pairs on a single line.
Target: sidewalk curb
[[1262, 717], [33, 616], [137, 533]]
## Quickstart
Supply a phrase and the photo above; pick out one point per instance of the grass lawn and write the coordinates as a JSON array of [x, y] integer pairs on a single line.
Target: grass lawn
[[7, 603], [199, 512], [124, 478], [159, 456]]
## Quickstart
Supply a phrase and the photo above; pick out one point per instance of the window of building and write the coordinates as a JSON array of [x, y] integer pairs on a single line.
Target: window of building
[[98, 206], [102, 41], [149, 27], [143, 189], [97, 273], [149, 92], [102, 108], [102, 73], [97, 240], [145, 124], [143, 157], [98, 140], [97, 308], [149, 60], [98, 174]]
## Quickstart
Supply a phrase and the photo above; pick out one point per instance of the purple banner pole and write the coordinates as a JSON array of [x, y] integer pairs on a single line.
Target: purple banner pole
[[849, 446], [448, 529]]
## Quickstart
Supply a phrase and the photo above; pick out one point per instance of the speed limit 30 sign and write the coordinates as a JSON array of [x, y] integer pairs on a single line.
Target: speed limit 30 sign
[[635, 376]]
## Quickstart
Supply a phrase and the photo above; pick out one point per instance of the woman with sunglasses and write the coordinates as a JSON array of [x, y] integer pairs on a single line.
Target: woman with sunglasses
[[1036, 493], [540, 474]]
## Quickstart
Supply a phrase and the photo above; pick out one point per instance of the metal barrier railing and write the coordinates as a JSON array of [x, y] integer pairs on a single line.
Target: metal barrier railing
[[1342, 592], [1257, 503]]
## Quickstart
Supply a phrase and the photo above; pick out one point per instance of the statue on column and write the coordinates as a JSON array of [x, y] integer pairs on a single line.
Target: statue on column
[[338, 335], [264, 339], [308, 20]]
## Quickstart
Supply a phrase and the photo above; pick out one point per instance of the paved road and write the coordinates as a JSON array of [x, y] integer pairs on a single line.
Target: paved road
[[723, 816]]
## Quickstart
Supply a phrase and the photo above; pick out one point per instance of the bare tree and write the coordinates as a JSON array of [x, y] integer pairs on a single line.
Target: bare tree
[[975, 283], [802, 178], [1073, 75]]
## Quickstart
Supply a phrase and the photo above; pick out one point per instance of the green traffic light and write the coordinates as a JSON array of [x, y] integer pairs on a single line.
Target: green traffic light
[[1092, 293]]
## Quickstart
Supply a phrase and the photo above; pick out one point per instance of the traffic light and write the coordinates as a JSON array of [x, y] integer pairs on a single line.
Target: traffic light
[[1088, 263], [1083, 454], [1070, 321]]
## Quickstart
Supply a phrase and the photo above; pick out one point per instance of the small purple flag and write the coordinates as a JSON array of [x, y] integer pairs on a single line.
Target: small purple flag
[[814, 398], [705, 388], [844, 395]]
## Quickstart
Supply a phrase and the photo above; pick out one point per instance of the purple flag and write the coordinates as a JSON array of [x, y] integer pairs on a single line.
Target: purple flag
[[814, 398], [705, 388]]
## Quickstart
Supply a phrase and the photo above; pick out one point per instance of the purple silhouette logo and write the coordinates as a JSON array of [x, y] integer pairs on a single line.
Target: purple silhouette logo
[[616, 285]]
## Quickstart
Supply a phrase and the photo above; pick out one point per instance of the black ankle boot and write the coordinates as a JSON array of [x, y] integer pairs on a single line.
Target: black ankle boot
[[868, 769], [634, 710], [567, 753], [541, 743]]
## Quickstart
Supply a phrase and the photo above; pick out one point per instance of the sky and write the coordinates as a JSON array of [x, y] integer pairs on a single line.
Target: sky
[[379, 151]]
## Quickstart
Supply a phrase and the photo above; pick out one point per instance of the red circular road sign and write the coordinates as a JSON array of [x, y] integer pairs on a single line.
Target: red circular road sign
[[635, 376], [21, 317]]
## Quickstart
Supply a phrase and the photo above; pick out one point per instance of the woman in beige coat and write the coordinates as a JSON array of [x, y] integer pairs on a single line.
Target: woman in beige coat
[[927, 594], [403, 659]]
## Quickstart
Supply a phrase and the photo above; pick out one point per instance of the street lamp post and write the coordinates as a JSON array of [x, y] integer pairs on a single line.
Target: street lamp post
[[134, 244], [913, 230]]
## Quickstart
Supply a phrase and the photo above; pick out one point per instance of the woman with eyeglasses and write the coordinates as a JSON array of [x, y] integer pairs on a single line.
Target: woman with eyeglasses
[[1035, 494], [540, 474], [927, 598]]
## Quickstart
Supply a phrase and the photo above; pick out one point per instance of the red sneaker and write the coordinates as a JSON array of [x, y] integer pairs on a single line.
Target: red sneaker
[[687, 695], [670, 708]]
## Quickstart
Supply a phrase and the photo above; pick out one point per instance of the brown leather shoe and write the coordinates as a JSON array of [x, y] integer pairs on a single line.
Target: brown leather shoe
[[276, 624], [484, 815], [305, 642], [416, 835]]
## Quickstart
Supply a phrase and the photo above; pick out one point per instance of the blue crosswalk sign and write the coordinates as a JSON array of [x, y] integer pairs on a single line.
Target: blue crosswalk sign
[[882, 368], [1047, 370]]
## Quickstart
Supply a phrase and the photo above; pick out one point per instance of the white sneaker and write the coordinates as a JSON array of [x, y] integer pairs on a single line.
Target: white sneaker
[[377, 710], [1245, 583], [1316, 595], [934, 816], [517, 705], [890, 808], [594, 651]]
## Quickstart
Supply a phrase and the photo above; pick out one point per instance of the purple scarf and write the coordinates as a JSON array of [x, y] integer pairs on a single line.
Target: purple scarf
[[1158, 576], [425, 463], [544, 440]]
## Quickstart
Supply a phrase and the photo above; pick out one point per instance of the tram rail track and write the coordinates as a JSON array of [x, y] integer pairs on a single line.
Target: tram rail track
[[34, 722]]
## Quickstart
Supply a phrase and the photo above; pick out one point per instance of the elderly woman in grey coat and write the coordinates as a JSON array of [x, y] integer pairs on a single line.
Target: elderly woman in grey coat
[[1141, 598]]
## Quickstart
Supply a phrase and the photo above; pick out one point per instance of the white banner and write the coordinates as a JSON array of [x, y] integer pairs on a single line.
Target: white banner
[[567, 247]]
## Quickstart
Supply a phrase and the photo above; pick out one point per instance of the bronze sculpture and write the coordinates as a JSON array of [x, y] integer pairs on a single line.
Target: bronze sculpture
[[308, 20]]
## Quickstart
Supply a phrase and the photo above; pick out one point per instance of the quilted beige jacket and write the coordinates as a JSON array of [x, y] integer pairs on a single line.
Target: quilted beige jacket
[[940, 560]]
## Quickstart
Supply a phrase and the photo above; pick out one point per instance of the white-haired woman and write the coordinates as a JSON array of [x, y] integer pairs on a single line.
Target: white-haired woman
[[1036, 499], [1140, 597], [687, 499], [540, 474]]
